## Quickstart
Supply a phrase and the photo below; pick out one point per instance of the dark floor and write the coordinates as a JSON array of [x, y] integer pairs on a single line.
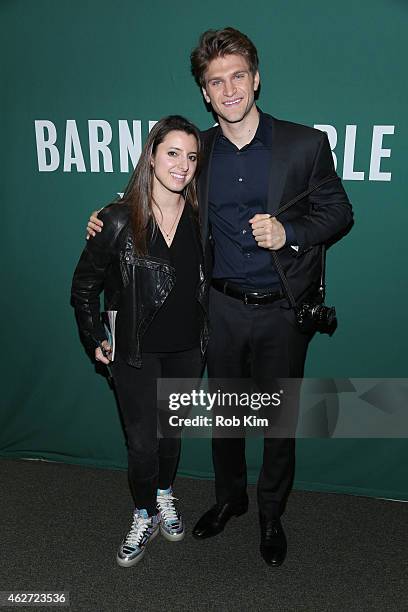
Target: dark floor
[[61, 525]]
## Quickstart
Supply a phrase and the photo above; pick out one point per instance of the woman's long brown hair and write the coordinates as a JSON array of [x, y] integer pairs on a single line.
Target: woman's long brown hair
[[139, 191]]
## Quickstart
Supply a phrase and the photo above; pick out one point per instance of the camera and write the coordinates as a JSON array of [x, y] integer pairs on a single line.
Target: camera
[[312, 317]]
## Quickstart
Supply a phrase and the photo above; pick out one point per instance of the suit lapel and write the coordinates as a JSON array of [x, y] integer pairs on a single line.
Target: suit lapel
[[208, 143], [277, 180], [277, 172]]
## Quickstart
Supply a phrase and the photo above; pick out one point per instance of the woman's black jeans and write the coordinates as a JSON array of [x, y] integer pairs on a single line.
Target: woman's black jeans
[[152, 460]]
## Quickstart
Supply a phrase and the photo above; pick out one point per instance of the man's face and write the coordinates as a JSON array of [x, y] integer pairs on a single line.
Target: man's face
[[230, 87]]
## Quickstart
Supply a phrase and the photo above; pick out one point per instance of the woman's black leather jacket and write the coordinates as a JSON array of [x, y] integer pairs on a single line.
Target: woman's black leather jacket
[[137, 286]]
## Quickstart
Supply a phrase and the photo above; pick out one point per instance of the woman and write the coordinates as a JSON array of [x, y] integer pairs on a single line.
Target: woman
[[149, 262]]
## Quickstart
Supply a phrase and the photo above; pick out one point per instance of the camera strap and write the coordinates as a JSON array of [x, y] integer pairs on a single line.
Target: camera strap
[[275, 256]]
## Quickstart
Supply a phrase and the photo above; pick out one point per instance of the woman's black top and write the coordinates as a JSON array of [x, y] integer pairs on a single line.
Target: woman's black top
[[176, 326]]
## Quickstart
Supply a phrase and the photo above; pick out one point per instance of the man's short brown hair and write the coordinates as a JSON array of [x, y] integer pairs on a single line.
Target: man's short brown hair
[[218, 43]]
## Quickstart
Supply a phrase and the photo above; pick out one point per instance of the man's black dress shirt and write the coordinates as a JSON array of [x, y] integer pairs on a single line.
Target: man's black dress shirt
[[238, 190]]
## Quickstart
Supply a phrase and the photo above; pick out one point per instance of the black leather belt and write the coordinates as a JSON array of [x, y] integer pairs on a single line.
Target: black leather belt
[[248, 297]]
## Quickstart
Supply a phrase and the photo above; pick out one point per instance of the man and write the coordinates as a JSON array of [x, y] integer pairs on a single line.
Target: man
[[254, 163]]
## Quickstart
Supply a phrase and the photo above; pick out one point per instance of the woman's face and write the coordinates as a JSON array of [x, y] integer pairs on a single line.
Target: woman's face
[[175, 162]]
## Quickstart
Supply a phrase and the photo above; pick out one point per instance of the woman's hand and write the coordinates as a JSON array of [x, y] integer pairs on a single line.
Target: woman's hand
[[99, 356], [94, 224]]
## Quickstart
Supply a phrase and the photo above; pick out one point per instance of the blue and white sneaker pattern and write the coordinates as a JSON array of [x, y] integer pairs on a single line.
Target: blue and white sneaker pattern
[[143, 529], [171, 522]]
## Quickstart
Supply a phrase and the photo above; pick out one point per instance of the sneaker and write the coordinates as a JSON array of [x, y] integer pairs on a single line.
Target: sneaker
[[143, 529], [171, 523]]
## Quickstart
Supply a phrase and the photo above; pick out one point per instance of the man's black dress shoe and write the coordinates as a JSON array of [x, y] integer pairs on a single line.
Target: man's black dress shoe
[[214, 521], [273, 542]]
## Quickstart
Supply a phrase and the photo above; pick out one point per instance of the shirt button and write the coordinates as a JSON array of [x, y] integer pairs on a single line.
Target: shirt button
[[244, 231], [240, 179]]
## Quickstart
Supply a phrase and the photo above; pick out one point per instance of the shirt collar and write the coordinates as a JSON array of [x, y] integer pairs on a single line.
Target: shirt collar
[[263, 132]]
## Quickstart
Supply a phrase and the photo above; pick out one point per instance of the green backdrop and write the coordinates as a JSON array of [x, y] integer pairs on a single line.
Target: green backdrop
[[79, 65]]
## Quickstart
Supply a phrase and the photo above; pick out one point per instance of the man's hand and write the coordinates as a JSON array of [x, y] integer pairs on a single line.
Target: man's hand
[[99, 356], [94, 224], [268, 232]]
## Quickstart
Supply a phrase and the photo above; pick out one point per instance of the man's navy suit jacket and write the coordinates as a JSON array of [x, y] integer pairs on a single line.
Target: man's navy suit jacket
[[300, 159]]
